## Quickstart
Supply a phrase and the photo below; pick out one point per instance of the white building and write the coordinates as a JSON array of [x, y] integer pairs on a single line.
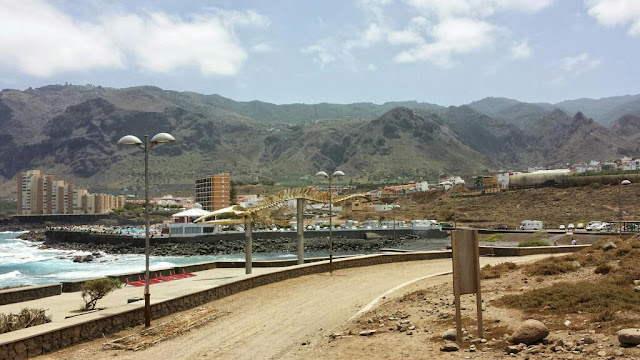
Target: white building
[[503, 180], [422, 186]]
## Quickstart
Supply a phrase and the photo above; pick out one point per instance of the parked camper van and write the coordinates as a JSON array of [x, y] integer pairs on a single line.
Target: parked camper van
[[531, 225], [370, 224], [424, 225], [388, 224]]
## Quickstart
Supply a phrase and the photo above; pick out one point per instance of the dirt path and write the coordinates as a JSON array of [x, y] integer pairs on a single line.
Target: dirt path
[[274, 321]]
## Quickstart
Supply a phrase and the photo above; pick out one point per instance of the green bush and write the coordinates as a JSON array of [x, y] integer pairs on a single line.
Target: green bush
[[494, 238], [533, 243], [94, 290]]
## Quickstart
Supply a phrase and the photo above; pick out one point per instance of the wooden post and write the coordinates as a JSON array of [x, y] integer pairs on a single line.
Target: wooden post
[[465, 255], [300, 221], [248, 245]]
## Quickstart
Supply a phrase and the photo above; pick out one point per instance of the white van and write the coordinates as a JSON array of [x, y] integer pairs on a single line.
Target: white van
[[424, 225], [531, 225]]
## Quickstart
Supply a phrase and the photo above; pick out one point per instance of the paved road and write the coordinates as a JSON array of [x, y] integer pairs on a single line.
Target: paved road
[[271, 322]]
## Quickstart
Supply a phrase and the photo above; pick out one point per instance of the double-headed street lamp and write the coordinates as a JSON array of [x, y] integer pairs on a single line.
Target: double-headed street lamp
[[623, 182], [393, 210], [132, 140], [336, 173]]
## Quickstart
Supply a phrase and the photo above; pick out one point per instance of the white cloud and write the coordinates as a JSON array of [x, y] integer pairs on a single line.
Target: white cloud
[[521, 50], [451, 36], [579, 64], [476, 8], [404, 37], [41, 40], [372, 67], [616, 13], [322, 51], [262, 48]]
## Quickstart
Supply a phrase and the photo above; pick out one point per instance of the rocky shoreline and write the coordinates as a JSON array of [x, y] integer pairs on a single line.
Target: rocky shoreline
[[284, 245]]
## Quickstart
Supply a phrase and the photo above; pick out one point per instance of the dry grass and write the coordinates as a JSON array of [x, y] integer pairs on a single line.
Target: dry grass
[[165, 331], [552, 266], [24, 319], [584, 296], [612, 292], [493, 272]]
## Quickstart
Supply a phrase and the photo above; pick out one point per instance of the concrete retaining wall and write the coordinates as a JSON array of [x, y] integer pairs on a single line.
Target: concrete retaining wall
[[51, 339], [533, 250], [57, 236], [16, 295]]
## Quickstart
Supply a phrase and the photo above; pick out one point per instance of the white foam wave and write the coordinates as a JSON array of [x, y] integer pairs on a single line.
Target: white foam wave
[[10, 275]]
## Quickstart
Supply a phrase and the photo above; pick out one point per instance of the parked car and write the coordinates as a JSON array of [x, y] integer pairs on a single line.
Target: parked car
[[571, 227], [561, 227], [591, 225], [501, 227], [580, 226]]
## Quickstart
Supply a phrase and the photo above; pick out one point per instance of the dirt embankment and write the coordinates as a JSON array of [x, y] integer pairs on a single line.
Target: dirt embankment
[[553, 206]]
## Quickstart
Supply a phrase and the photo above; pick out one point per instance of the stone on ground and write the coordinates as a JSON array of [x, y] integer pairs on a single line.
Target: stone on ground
[[609, 246], [629, 336], [449, 335], [529, 332], [450, 346]]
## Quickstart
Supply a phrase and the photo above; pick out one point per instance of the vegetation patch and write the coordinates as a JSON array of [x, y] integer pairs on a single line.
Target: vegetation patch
[[495, 271], [22, 320], [494, 238], [586, 296], [533, 243], [94, 290], [552, 266]]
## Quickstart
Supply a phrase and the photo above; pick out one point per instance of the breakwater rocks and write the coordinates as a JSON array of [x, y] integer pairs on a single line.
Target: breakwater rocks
[[318, 244]]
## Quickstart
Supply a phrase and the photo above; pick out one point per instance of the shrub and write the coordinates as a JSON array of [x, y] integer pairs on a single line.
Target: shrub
[[586, 296], [94, 290], [533, 243], [494, 238], [595, 185], [551, 266], [24, 319], [493, 272], [603, 269]]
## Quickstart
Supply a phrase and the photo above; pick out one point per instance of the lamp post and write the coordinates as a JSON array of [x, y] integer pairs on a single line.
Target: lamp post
[[453, 190], [335, 174], [393, 210], [623, 182], [146, 146]]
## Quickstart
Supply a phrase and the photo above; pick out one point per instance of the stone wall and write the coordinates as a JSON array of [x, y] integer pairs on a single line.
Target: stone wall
[[53, 339], [532, 250], [59, 236], [26, 293]]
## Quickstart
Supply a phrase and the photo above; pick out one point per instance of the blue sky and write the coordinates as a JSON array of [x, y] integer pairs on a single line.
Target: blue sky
[[446, 52]]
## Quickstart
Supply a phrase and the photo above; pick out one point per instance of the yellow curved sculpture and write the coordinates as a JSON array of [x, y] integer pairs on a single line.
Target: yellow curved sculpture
[[271, 202]]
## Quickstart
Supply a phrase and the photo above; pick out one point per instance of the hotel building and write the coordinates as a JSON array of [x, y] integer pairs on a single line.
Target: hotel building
[[213, 192], [40, 194]]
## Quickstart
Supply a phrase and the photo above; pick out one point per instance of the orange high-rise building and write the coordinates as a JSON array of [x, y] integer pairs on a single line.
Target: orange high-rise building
[[212, 192]]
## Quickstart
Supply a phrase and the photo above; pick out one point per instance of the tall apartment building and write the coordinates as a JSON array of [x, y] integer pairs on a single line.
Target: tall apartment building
[[212, 192], [42, 194]]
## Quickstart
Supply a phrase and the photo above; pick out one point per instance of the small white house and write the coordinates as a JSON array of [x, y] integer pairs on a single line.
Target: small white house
[[422, 186]]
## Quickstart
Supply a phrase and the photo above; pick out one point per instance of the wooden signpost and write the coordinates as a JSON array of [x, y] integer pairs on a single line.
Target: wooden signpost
[[465, 254]]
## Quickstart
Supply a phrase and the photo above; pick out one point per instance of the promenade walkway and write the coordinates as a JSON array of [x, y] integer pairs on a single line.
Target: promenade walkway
[[272, 321]]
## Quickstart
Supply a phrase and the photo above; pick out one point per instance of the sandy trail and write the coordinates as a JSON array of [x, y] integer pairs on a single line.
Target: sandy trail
[[273, 321]]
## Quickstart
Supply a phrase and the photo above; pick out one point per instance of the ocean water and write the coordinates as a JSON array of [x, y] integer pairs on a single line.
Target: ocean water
[[24, 263]]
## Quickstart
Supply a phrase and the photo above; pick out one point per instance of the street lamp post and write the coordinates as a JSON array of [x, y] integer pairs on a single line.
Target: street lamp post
[[623, 182], [132, 140], [336, 173], [393, 210]]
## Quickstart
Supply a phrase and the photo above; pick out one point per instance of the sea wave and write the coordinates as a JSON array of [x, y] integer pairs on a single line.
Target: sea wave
[[10, 275]]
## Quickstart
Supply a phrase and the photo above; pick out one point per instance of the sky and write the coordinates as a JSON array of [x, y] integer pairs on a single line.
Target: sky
[[341, 51]]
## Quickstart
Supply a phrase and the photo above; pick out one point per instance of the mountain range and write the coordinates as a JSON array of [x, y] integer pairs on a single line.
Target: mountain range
[[72, 131]]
